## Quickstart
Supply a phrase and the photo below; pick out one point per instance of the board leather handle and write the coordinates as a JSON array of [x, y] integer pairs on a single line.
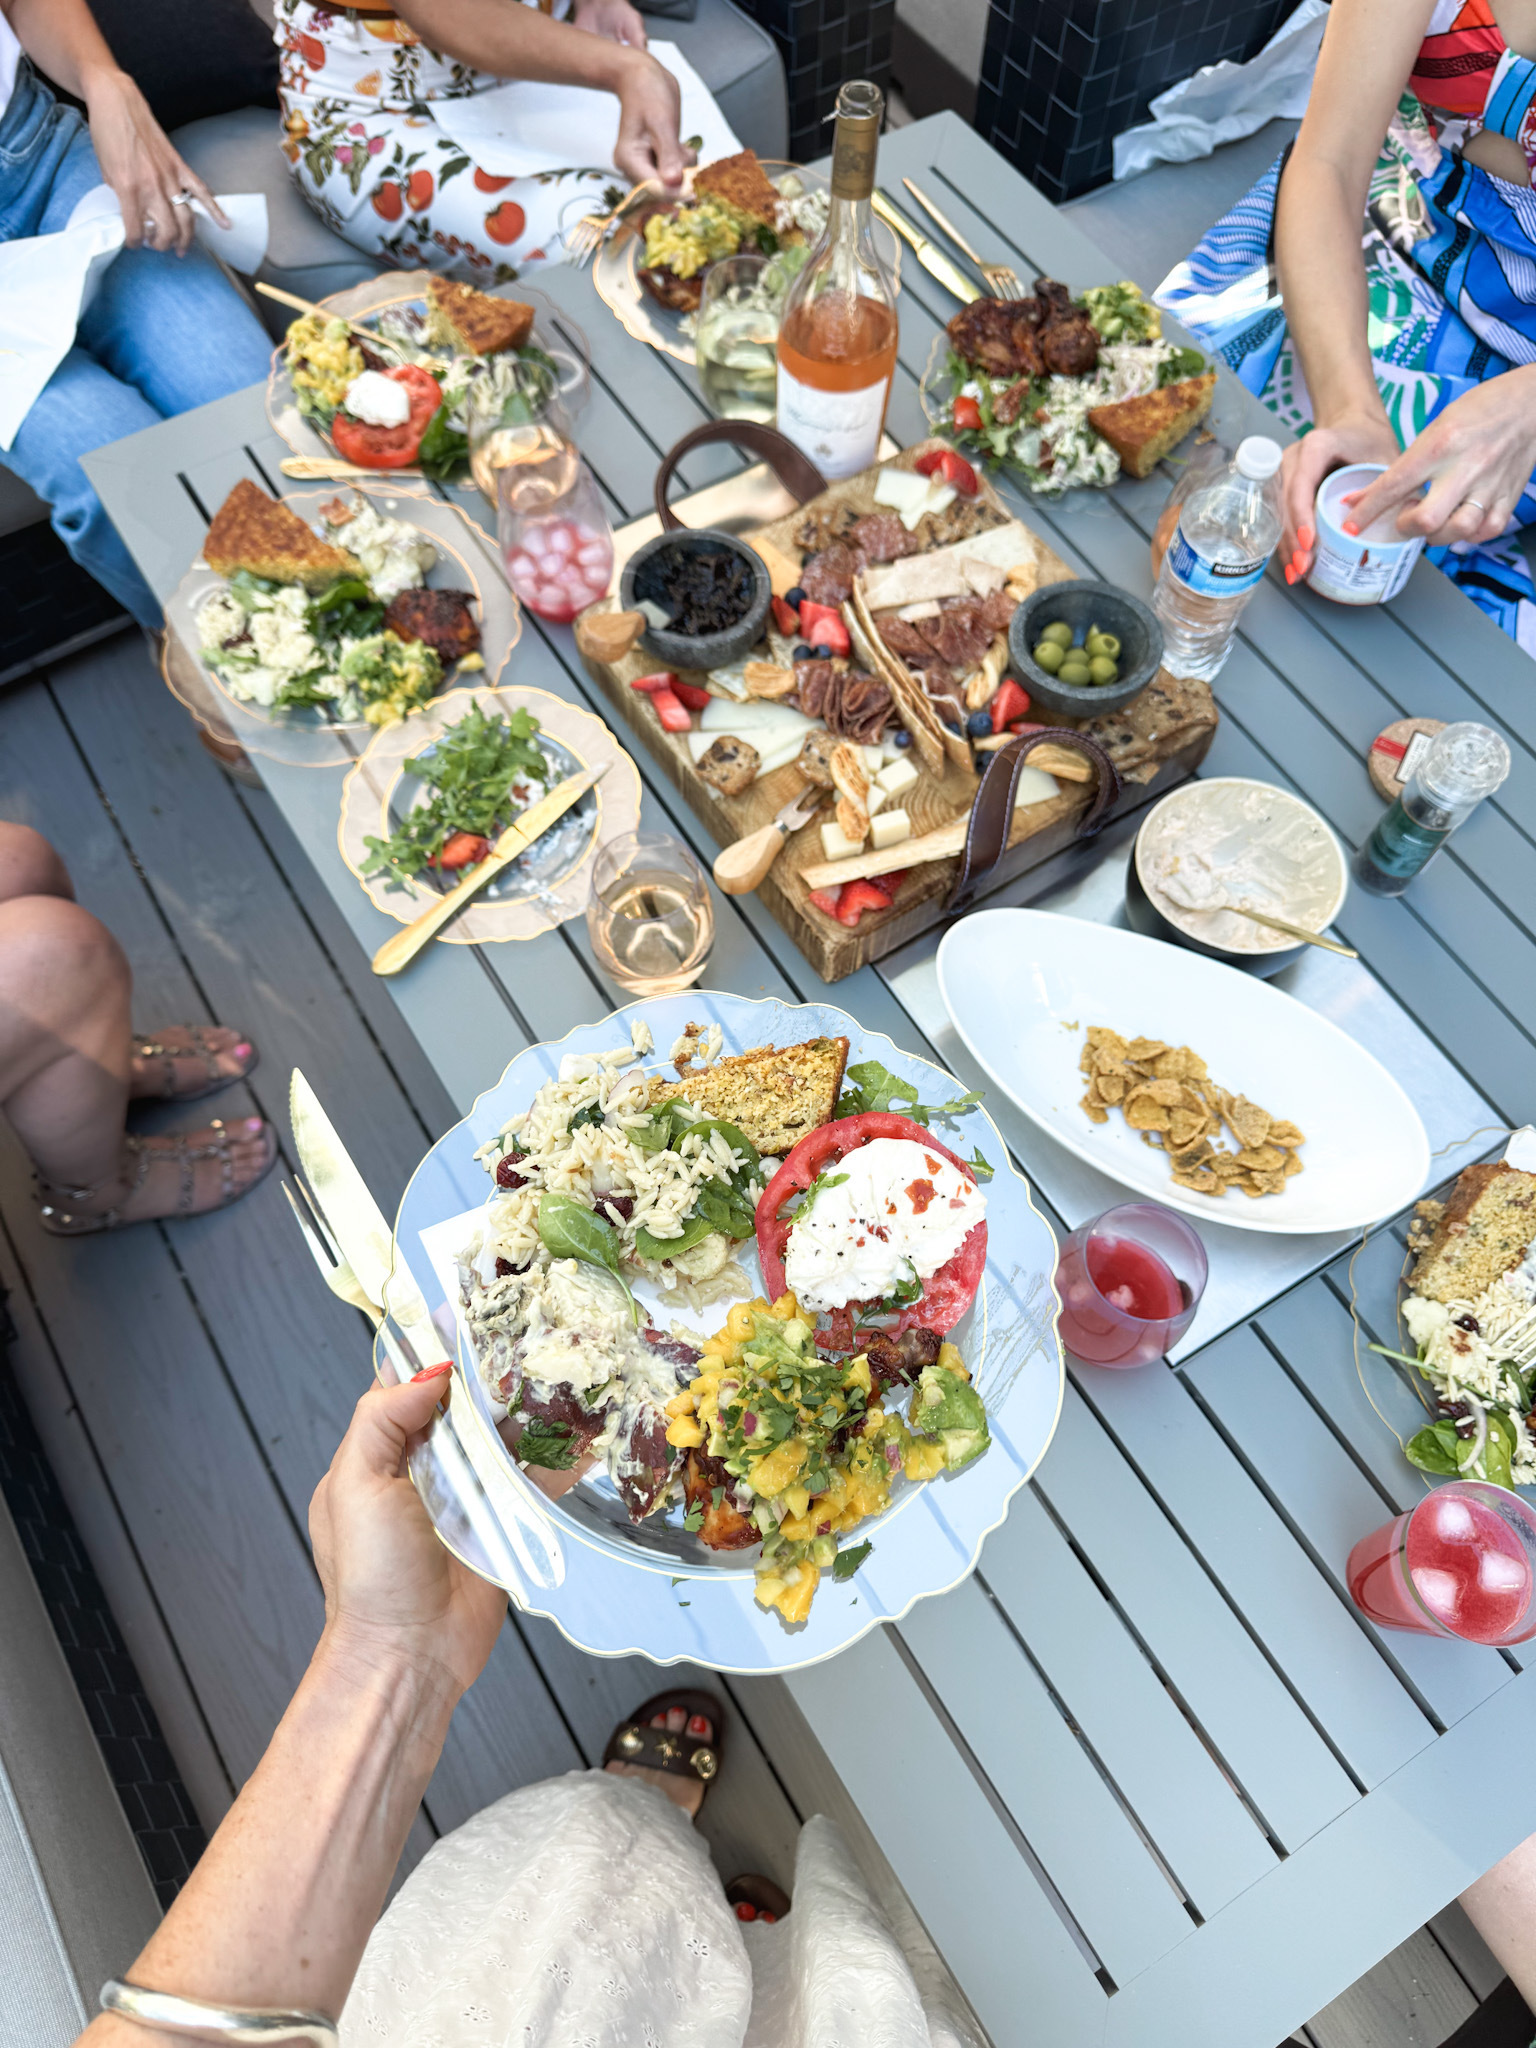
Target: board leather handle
[[991, 821], [741, 866], [796, 472]]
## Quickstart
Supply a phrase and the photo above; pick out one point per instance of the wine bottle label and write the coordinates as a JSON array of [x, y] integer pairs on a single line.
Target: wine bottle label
[[853, 158], [838, 430]]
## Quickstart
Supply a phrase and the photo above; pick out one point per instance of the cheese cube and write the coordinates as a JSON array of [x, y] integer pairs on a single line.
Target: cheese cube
[[835, 843], [887, 830], [896, 776], [874, 759], [875, 798]]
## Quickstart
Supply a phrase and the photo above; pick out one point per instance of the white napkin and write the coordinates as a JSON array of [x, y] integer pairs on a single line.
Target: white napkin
[[47, 281], [1227, 101], [522, 127]]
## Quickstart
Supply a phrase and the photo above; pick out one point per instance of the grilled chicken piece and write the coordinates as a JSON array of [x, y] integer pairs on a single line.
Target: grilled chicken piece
[[441, 618]]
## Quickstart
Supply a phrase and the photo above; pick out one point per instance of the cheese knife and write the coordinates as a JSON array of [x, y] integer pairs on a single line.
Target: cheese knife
[[933, 259], [742, 865], [401, 950]]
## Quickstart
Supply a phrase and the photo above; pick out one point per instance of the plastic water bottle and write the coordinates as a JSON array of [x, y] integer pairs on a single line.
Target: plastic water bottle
[[1227, 531]]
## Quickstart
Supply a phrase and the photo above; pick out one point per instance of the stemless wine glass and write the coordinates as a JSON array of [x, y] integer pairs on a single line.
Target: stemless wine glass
[[1130, 1282], [736, 338], [649, 914], [1462, 1563]]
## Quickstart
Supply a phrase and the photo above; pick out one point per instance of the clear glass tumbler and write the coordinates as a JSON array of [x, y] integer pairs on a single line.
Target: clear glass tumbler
[[552, 526], [1130, 1282], [649, 915], [1462, 1563], [736, 338]]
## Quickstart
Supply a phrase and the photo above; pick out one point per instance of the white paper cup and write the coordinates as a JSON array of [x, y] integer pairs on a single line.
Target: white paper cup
[[1365, 568]]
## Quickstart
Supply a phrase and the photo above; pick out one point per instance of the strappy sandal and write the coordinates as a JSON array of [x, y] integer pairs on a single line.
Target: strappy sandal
[[141, 1156], [681, 1755], [751, 1897], [198, 1048]]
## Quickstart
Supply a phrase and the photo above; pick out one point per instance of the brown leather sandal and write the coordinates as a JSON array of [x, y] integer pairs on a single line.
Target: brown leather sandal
[[138, 1160], [681, 1755], [198, 1048]]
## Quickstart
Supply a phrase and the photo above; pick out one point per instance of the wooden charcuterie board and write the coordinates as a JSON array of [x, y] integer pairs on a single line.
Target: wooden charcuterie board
[[1156, 743]]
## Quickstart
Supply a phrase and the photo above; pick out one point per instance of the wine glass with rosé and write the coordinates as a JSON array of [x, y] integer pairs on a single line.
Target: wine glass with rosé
[[1130, 1282], [554, 533], [1462, 1563]]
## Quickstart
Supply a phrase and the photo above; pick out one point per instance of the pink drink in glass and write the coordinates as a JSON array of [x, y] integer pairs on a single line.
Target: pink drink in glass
[[1130, 1282], [1462, 1563], [559, 567]]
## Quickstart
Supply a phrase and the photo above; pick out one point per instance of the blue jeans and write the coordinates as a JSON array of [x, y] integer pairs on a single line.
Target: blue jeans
[[163, 334]]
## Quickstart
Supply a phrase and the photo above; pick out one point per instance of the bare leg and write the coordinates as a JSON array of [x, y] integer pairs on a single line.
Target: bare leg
[[29, 866], [65, 1057], [1502, 1907]]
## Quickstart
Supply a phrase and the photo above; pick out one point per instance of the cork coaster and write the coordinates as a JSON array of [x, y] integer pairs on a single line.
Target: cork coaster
[[1393, 755]]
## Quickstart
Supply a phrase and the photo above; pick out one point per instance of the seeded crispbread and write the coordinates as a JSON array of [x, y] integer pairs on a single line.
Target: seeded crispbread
[[253, 532], [772, 1093]]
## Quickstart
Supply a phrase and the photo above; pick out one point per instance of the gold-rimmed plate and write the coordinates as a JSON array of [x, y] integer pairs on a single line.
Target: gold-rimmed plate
[[616, 268], [306, 736], [406, 291], [550, 882]]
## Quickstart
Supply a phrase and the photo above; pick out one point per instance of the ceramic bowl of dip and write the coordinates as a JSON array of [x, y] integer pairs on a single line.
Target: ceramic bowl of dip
[[1231, 838]]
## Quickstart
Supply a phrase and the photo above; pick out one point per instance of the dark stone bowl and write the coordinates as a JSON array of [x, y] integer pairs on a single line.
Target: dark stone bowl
[[1082, 604], [640, 578]]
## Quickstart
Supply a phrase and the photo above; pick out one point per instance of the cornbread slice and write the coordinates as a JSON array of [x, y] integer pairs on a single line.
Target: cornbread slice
[[1143, 430], [741, 182], [253, 532], [480, 323], [1484, 1230], [774, 1093]]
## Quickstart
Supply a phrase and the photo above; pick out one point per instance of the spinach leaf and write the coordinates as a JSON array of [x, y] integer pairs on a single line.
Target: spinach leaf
[[1435, 1449], [876, 1088], [547, 1444], [592, 1114], [569, 1230], [443, 448], [1499, 1451], [847, 1562], [695, 1229]]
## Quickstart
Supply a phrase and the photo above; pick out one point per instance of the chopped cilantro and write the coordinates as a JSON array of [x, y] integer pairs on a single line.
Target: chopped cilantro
[[547, 1444], [693, 1521]]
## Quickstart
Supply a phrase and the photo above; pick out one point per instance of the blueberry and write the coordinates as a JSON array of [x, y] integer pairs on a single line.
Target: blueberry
[[821, 653], [801, 652], [978, 724], [796, 597], [901, 737]]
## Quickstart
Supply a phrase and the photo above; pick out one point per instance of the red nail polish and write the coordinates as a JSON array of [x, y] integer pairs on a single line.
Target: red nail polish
[[1351, 529], [1305, 536], [699, 1727], [431, 1372], [745, 1910]]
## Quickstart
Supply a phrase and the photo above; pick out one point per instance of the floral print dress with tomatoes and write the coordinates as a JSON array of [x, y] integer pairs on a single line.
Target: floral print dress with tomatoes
[[357, 93]]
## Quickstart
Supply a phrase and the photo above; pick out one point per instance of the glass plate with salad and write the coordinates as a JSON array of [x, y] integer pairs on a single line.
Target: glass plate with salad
[[616, 267], [437, 374], [427, 800], [338, 666]]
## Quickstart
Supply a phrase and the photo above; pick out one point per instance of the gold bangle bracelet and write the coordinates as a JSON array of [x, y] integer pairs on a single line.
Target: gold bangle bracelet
[[260, 2027]]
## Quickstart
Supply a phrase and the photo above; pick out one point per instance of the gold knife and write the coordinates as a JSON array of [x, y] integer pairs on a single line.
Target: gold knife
[[933, 260], [402, 949]]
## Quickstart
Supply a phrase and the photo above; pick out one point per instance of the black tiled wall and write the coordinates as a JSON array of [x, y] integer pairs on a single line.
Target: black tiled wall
[[169, 1836], [822, 43], [1060, 79]]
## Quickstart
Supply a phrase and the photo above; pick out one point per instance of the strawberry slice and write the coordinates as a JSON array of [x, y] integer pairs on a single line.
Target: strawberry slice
[[691, 695], [957, 471], [856, 898], [786, 618], [826, 899], [461, 850], [822, 626], [663, 679], [1010, 703], [670, 709], [967, 415]]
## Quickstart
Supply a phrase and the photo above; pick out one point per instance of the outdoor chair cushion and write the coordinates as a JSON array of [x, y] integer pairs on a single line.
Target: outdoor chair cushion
[[192, 58], [238, 152]]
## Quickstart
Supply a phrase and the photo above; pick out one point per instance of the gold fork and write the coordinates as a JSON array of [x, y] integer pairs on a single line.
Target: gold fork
[[593, 229], [1002, 282]]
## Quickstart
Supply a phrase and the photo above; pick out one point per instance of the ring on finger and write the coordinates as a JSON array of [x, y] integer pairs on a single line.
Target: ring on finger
[[183, 198]]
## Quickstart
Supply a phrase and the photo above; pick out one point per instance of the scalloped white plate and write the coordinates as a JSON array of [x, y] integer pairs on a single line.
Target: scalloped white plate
[[619, 1601]]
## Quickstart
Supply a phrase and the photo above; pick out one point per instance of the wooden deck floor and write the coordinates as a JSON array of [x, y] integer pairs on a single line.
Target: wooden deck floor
[[190, 1381]]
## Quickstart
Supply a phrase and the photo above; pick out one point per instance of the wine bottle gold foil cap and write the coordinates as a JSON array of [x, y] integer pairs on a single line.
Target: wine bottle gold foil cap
[[860, 108]]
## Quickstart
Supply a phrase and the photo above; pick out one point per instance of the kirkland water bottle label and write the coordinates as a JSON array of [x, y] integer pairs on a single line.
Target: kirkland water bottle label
[[1213, 579], [839, 430]]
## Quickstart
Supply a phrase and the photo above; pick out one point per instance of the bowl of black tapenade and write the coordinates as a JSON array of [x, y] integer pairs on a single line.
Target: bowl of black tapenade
[[704, 594]]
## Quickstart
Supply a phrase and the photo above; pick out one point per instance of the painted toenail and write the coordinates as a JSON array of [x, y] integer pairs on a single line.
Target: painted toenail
[[253, 1125], [244, 1049], [698, 1726]]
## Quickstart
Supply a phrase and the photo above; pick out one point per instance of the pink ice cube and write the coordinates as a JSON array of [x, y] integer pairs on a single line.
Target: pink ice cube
[[1440, 1591]]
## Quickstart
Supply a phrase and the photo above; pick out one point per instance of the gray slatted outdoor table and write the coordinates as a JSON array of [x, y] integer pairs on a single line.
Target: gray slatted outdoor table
[[1147, 1777]]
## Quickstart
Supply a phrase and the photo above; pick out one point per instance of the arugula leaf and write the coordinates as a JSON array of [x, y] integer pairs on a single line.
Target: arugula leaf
[[1184, 362], [876, 1088], [569, 1230], [825, 1179], [723, 1202], [847, 1562], [979, 1166], [470, 773], [547, 1444]]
